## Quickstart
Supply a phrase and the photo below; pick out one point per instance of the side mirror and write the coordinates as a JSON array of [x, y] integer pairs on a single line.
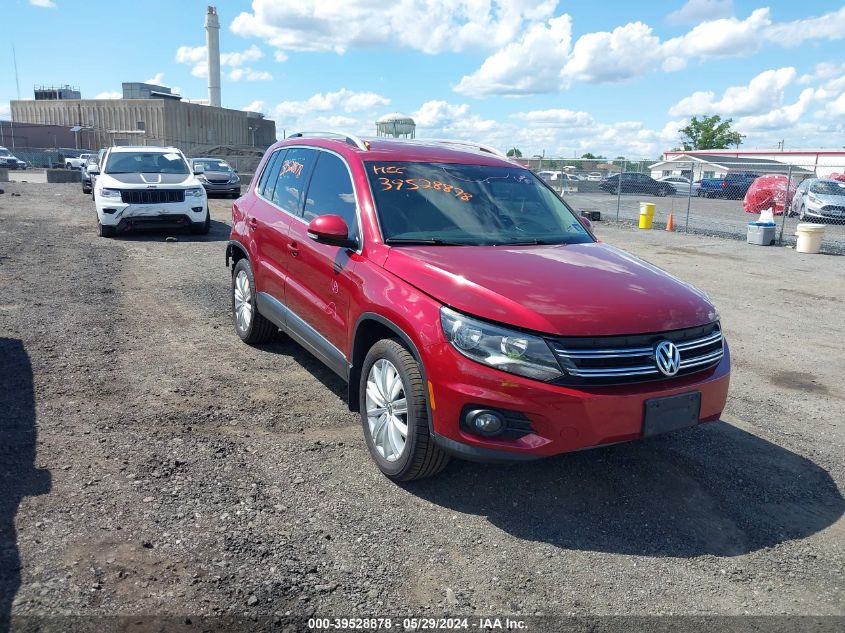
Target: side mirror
[[586, 223], [330, 229], [93, 169], [198, 170]]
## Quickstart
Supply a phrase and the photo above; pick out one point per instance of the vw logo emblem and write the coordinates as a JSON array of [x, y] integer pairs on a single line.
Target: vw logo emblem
[[667, 357]]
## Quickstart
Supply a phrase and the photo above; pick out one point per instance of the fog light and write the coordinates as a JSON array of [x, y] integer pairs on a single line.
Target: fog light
[[485, 422], [197, 209]]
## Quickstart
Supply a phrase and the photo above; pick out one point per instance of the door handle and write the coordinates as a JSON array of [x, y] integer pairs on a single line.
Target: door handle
[[293, 247]]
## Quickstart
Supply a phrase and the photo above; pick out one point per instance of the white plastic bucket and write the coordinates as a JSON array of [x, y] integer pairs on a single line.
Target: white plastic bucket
[[809, 237]]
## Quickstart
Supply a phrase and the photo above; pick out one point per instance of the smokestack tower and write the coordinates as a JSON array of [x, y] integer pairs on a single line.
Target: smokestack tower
[[212, 45]]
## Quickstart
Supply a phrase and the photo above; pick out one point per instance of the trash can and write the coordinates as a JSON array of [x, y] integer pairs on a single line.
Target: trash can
[[761, 233], [809, 237], [646, 214]]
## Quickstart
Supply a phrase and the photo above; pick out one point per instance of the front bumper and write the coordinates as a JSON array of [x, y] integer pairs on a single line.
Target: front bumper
[[221, 188], [164, 215], [563, 419], [825, 213]]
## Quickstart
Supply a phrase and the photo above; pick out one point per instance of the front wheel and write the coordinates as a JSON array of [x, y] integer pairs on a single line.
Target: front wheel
[[202, 228], [394, 414], [662, 193], [104, 230]]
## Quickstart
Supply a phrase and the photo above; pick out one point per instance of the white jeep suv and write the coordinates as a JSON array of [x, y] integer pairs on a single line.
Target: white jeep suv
[[148, 187]]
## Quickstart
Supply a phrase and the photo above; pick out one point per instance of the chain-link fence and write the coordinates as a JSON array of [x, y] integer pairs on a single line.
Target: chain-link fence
[[720, 197]]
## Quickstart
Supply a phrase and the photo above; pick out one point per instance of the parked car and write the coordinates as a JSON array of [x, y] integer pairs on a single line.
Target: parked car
[[76, 162], [420, 274], [682, 185], [819, 198], [9, 161], [733, 186], [148, 187], [559, 180], [634, 182], [86, 177], [218, 177], [594, 176]]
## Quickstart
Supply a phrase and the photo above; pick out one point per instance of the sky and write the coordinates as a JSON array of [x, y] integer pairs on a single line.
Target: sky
[[549, 77]]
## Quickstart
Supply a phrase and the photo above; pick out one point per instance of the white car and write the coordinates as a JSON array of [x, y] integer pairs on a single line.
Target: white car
[[77, 162], [819, 198], [682, 185], [148, 187], [594, 176]]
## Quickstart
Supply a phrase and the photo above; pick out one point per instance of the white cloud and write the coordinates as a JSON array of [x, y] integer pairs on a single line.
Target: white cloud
[[778, 118], [234, 60], [196, 57], [695, 11], [527, 66], [158, 79], [625, 52], [556, 118], [109, 94], [836, 108], [255, 106], [431, 26], [343, 99], [762, 93], [830, 26], [44, 4], [249, 74], [541, 60]]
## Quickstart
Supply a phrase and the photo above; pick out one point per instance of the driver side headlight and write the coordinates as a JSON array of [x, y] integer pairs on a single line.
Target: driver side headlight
[[113, 194], [195, 192], [508, 350]]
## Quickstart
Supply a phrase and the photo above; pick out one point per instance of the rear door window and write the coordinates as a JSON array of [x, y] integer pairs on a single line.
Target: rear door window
[[293, 173], [331, 192]]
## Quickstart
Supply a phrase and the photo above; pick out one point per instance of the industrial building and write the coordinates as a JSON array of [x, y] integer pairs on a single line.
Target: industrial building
[[149, 114], [156, 119]]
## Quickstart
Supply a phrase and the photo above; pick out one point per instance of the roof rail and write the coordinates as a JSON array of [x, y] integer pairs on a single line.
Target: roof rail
[[350, 138], [462, 143]]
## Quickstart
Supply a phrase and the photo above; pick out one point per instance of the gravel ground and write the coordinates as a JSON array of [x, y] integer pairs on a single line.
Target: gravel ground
[[178, 471]]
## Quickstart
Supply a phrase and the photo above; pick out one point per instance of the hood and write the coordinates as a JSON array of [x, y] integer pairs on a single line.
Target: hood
[[136, 178], [590, 289]]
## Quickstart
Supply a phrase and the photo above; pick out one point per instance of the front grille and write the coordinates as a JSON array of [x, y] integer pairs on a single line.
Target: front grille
[[833, 209], [151, 196], [609, 360]]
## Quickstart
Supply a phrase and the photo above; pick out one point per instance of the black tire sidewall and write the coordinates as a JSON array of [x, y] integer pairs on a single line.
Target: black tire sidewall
[[398, 468]]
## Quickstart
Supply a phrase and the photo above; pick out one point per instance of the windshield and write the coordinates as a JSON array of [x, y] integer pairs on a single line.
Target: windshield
[[828, 188], [211, 165], [145, 162], [437, 203]]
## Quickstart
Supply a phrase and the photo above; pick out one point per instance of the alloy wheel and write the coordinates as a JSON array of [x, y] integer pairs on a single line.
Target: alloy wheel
[[243, 301], [387, 410]]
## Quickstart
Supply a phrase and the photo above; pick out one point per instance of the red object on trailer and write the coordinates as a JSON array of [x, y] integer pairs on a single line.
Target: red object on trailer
[[837, 176], [772, 191]]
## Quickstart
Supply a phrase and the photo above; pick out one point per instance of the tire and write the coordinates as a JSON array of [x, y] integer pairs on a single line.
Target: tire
[[250, 325], [203, 228], [86, 190], [802, 212], [419, 456], [104, 230], [662, 193]]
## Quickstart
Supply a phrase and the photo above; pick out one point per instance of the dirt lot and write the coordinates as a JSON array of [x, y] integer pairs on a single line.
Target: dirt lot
[[178, 471]]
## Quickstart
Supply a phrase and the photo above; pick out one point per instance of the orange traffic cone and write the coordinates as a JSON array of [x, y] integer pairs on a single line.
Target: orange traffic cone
[[670, 223]]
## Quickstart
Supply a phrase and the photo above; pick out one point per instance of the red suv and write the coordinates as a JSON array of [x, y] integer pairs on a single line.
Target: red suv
[[469, 309]]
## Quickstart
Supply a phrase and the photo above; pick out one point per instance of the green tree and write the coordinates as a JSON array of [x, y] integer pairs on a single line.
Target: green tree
[[590, 156], [709, 132], [514, 153]]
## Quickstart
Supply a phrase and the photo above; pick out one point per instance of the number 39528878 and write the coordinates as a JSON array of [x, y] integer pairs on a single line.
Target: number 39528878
[[412, 184]]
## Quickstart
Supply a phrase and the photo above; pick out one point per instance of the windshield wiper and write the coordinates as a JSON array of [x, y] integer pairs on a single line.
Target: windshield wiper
[[413, 241], [534, 242]]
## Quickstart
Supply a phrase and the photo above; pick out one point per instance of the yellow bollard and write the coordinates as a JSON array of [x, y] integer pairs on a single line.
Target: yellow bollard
[[646, 214]]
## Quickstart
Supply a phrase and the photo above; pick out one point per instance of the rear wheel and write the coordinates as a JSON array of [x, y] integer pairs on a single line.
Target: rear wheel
[[394, 414], [250, 325]]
